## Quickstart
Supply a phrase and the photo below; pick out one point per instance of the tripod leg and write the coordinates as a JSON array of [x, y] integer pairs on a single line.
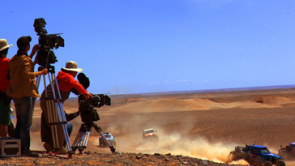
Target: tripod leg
[[62, 119], [53, 122], [61, 114], [78, 140], [38, 81], [56, 115], [98, 129], [81, 140]]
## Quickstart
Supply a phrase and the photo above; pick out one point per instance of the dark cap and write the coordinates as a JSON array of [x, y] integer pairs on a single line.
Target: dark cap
[[23, 42]]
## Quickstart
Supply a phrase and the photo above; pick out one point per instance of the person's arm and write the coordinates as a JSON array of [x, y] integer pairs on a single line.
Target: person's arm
[[30, 75], [72, 116], [34, 50], [76, 85]]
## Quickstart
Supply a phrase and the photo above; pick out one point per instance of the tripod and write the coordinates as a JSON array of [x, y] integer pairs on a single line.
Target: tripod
[[55, 111], [81, 140]]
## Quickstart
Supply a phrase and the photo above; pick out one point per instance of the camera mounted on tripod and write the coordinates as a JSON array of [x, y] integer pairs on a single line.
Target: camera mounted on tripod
[[86, 107], [47, 42]]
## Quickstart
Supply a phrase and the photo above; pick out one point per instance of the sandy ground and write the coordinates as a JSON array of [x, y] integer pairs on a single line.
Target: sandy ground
[[200, 125]]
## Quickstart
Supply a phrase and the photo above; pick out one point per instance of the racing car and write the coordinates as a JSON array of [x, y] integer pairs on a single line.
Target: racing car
[[108, 137], [150, 134], [288, 152], [255, 155]]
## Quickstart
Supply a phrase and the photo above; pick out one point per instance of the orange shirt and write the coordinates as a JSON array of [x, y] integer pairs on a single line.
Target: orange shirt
[[4, 68], [66, 82]]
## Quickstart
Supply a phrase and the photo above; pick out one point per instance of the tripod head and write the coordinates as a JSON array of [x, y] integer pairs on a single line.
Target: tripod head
[[51, 68]]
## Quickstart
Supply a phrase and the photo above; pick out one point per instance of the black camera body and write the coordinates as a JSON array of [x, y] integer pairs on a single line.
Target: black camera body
[[47, 42], [86, 107]]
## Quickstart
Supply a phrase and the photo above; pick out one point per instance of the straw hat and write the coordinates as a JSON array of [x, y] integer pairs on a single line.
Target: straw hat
[[4, 44], [72, 66]]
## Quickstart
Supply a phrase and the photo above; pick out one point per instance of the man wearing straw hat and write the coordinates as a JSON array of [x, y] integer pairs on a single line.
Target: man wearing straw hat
[[67, 84]]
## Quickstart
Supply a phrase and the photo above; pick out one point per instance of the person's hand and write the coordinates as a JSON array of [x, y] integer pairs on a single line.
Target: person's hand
[[88, 95], [43, 72]]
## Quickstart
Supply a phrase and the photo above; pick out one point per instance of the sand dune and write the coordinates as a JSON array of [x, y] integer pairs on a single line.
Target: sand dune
[[205, 125], [172, 105]]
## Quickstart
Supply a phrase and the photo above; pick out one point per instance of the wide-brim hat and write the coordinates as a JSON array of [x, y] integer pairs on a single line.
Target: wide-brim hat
[[72, 66], [4, 44]]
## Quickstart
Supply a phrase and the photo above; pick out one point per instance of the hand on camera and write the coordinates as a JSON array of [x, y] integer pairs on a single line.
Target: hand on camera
[[88, 95]]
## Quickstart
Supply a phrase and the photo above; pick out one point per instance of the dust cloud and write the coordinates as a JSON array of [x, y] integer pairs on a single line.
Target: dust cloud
[[176, 144], [199, 148]]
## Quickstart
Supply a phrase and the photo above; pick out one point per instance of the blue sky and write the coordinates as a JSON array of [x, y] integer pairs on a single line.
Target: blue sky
[[143, 46]]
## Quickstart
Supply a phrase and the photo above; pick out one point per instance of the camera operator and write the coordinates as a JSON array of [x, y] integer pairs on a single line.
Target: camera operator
[[4, 83], [67, 84], [23, 91]]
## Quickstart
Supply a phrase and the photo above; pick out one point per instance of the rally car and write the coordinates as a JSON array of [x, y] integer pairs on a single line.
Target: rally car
[[150, 134], [288, 152], [255, 155], [108, 137]]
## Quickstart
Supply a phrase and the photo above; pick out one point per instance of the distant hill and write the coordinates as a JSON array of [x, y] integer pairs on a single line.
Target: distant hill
[[220, 90], [205, 91], [246, 88]]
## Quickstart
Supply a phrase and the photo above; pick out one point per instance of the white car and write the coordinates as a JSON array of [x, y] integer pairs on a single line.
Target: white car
[[150, 134], [108, 137]]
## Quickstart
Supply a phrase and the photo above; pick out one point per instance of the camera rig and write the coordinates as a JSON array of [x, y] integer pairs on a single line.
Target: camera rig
[[45, 55], [89, 115]]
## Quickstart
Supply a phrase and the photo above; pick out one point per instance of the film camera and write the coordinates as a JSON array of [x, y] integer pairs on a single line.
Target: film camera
[[86, 107], [88, 113], [45, 55]]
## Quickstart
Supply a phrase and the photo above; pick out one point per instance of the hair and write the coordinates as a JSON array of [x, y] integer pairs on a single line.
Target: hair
[[4, 52], [23, 42]]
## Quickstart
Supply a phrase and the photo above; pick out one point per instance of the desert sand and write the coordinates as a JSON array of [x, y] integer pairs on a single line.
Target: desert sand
[[199, 125]]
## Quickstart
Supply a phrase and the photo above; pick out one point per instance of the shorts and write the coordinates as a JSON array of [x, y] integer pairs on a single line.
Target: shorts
[[4, 113]]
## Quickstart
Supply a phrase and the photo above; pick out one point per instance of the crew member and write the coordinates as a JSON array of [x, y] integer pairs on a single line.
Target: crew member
[[23, 91], [67, 84], [4, 82]]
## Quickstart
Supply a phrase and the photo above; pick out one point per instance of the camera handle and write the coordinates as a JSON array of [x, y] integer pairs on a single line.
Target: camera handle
[[55, 111], [81, 140]]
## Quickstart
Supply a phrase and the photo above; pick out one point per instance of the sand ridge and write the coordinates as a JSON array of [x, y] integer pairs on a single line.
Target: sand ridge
[[205, 125]]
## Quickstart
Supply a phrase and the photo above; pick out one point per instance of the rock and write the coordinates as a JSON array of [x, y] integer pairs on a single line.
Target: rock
[[110, 159]]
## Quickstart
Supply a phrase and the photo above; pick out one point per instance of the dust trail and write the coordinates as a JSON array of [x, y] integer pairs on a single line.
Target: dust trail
[[177, 145], [129, 139]]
